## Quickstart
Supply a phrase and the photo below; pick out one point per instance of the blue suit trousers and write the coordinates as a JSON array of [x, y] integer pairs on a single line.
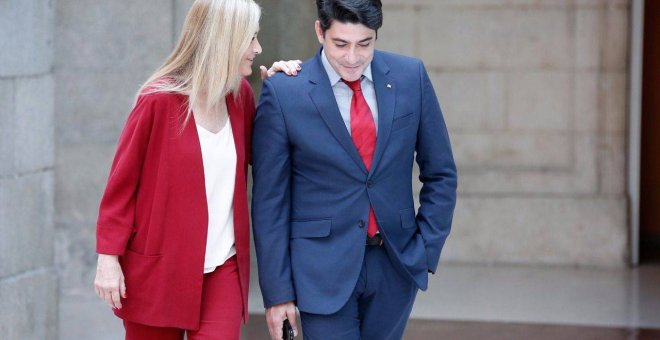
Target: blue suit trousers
[[378, 308]]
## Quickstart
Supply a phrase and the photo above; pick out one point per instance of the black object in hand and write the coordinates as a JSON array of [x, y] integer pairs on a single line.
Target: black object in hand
[[287, 330]]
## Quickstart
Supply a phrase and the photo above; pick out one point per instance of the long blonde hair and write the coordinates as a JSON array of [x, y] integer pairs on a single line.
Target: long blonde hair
[[205, 62]]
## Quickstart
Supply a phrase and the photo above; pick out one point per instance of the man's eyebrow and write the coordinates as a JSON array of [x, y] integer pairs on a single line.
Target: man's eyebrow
[[346, 42]]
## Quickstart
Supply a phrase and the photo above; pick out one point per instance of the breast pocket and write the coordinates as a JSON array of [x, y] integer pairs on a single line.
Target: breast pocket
[[403, 121]]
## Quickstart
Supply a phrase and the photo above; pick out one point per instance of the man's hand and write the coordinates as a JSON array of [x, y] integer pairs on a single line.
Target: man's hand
[[275, 316], [109, 282], [290, 67]]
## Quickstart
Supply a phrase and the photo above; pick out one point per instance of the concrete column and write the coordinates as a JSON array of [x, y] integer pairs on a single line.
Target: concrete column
[[28, 283]]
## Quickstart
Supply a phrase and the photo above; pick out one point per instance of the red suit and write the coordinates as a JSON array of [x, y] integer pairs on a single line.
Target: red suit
[[154, 213]]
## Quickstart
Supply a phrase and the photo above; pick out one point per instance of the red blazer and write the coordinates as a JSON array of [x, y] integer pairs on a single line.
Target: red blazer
[[154, 213]]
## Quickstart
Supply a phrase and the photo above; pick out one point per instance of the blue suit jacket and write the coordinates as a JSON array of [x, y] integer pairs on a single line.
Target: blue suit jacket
[[312, 192]]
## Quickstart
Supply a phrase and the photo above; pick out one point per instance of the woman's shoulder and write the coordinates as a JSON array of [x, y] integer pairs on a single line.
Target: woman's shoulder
[[160, 99], [245, 87], [154, 102], [160, 89]]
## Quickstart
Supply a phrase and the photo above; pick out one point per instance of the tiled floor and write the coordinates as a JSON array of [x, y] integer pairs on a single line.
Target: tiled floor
[[431, 330], [460, 330], [110, 329], [478, 302], [545, 295]]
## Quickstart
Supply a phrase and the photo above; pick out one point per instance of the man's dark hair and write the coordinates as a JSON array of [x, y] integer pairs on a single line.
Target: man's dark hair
[[366, 12]]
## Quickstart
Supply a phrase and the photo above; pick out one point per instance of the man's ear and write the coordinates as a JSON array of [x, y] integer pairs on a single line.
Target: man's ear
[[320, 34]]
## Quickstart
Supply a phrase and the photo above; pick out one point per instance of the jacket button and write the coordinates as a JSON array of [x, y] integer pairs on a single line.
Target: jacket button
[[361, 223], [370, 184]]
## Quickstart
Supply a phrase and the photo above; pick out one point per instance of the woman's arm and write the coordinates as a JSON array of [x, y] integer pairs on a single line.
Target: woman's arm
[[117, 210]]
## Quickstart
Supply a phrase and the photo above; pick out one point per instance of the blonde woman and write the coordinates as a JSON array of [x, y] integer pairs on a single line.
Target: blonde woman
[[172, 232]]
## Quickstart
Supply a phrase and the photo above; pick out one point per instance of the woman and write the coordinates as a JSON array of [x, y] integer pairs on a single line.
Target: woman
[[172, 233]]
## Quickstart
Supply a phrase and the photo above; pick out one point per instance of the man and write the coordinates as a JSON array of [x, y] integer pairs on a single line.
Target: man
[[333, 215]]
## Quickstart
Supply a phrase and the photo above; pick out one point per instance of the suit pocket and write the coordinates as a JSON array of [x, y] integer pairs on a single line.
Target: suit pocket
[[143, 272], [403, 121], [310, 228], [408, 218]]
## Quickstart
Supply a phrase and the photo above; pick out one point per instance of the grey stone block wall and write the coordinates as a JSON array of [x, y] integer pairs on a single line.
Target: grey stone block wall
[[28, 280], [534, 94]]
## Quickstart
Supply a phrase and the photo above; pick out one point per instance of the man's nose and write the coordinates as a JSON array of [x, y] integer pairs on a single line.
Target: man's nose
[[352, 56]]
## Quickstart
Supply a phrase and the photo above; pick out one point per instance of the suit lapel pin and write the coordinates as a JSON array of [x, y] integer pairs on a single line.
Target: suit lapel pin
[[389, 86]]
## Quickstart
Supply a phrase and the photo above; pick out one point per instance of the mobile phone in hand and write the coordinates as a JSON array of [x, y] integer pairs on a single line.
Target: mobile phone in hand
[[287, 330]]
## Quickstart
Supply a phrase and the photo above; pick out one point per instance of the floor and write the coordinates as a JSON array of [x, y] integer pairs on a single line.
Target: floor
[[462, 330], [478, 302]]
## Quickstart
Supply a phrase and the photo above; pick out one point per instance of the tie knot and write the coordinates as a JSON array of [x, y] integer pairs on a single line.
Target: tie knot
[[354, 85]]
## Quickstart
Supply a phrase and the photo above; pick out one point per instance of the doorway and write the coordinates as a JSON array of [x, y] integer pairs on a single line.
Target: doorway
[[649, 218]]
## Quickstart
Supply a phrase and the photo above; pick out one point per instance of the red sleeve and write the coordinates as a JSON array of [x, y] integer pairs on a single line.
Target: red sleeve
[[250, 109], [117, 210]]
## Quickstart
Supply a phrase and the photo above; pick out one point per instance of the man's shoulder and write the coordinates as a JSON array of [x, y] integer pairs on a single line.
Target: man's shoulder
[[282, 79]]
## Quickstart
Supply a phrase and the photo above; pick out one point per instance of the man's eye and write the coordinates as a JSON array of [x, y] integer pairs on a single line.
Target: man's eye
[[365, 45], [340, 45]]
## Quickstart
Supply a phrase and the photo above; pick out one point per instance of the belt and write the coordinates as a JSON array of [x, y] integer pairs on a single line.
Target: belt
[[377, 240]]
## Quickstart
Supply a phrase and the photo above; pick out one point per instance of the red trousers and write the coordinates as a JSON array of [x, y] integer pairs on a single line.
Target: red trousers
[[221, 314]]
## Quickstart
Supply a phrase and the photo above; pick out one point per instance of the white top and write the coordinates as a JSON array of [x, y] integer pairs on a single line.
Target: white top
[[344, 94], [219, 157]]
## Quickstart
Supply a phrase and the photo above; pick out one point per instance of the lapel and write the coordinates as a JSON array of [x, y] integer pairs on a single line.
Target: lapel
[[386, 99], [324, 100]]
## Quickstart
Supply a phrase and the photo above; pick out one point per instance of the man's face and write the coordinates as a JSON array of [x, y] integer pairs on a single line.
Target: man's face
[[349, 47]]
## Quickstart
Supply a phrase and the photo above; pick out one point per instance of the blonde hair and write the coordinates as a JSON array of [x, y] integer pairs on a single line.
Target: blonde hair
[[205, 62]]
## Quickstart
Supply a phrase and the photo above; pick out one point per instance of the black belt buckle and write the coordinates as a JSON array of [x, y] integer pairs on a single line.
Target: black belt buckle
[[377, 240]]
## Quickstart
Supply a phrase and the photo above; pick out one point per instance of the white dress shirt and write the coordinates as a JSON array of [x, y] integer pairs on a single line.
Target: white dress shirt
[[344, 94]]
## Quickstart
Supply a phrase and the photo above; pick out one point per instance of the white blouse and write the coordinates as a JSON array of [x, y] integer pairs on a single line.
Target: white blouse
[[219, 157]]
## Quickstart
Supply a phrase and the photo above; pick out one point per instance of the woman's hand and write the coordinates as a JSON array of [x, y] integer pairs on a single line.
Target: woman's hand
[[290, 67], [109, 282]]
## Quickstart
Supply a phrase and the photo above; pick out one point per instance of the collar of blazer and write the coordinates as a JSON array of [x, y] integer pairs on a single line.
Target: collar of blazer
[[323, 97]]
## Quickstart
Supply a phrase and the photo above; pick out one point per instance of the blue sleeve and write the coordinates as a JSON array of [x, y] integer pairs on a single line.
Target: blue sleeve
[[437, 174], [271, 171]]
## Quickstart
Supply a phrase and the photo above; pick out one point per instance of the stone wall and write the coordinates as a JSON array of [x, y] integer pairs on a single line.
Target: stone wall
[[534, 94], [28, 282]]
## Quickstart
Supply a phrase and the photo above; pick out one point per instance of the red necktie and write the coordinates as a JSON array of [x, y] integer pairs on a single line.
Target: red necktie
[[363, 132]]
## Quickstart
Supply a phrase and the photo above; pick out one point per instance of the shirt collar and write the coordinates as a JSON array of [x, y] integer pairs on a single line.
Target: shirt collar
[[334, 76]]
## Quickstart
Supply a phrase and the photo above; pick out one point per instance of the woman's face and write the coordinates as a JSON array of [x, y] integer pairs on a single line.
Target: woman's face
[[250, 54]]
